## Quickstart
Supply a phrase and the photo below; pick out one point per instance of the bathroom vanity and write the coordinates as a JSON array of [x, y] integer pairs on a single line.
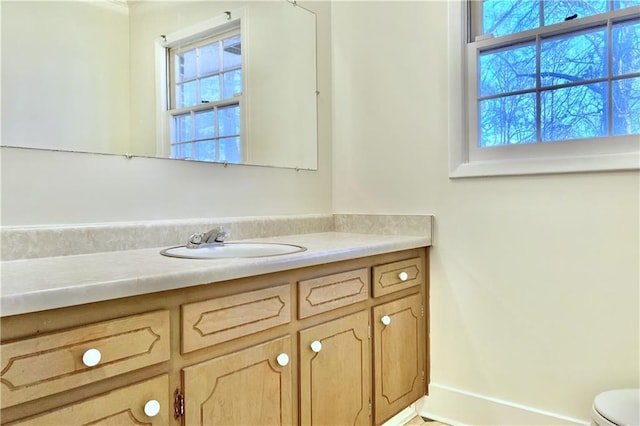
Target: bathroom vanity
[[334, 335]]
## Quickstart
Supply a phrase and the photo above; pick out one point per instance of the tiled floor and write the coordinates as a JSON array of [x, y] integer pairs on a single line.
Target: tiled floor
[[419, 421]]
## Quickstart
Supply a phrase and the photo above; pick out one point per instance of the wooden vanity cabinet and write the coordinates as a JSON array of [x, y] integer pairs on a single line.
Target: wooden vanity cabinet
[[309, 346]]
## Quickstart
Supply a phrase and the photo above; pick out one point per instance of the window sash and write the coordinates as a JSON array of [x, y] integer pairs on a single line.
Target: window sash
[[193, 139], [475, 31], [177, 50], [552, 149]]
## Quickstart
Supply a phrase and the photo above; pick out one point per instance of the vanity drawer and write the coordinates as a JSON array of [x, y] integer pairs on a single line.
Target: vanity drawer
[[217, 320], [122, 406], [45, 365], [330, 292], [397, 276]]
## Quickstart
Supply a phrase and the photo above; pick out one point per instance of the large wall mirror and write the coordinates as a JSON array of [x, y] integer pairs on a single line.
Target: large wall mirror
[[220, 81]]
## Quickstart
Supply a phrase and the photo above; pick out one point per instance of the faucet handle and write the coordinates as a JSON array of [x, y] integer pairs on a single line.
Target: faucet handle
[[195, 240], [216, 235]]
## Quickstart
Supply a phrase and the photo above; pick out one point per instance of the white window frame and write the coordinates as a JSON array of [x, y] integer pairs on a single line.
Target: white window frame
[[216, 26], [467, 160]]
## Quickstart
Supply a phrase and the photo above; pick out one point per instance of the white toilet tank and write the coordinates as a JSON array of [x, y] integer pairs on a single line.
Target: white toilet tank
[[619, 407]]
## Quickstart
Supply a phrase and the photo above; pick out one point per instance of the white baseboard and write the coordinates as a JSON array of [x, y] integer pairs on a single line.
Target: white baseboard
[[402, 417], [459, 407]]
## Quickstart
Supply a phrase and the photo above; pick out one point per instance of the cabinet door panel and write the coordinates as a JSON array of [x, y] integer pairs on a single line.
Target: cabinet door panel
[[120, 407], [247, 387], [335, 382], [399, 360]]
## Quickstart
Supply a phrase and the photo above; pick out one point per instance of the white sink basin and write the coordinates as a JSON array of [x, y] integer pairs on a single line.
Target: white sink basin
[[232, 250]]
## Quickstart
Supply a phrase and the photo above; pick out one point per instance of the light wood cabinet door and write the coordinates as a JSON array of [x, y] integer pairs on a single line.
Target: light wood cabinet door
[[399, 361], [335, 372], [145, 403], [249, 387]]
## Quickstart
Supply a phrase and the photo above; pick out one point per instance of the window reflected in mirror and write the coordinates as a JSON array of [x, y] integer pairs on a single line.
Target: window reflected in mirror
[[206, 89]]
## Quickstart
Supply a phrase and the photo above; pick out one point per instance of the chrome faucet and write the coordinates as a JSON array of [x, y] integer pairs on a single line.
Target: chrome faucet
[[215, 236]]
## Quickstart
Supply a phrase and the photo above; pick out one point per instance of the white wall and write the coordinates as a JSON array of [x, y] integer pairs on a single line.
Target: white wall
[[45, 188], [534, 279]]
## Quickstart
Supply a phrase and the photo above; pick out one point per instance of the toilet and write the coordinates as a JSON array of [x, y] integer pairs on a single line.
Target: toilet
[[619, 407]]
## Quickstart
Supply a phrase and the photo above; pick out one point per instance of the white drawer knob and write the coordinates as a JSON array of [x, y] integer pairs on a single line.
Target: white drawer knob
[[316, 346], [403, 276], [282, 359], [91, 357], [152, 408], [386, 320]]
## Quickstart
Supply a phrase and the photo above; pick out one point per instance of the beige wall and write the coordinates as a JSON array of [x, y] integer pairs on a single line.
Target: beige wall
[[534, 280]]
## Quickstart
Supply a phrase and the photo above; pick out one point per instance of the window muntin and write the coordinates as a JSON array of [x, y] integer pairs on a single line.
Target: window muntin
[[534, 83], [206, 96]]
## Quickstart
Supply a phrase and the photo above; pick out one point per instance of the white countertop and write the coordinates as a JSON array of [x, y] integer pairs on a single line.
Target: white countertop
[[32, 285]]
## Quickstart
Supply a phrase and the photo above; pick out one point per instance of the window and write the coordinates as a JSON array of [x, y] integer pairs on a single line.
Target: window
[[204, 92], [551, 86]]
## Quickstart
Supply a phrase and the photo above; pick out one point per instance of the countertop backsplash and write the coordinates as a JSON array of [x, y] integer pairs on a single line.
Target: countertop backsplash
[[64, 240]]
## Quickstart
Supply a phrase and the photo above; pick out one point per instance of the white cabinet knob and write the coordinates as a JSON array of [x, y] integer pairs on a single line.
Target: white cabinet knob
[[316, 346], [386, 320], [403, 276], [91, 357], [282, 359], [152, 408]]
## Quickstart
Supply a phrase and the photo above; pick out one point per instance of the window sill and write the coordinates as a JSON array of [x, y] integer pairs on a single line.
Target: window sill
[[535, 166]]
